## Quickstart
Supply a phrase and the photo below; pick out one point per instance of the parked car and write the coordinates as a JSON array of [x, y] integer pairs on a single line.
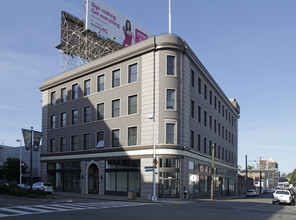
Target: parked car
[[252, 192], [285, 196], [46, 187], [23, 186], [266, 191]]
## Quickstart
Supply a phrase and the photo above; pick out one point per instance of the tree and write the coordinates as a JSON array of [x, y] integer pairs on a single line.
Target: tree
[[250, 168], [11, 169], [292, 177]]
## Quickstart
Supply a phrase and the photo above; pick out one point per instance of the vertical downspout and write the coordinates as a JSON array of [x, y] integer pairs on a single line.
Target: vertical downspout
[[154, 176]]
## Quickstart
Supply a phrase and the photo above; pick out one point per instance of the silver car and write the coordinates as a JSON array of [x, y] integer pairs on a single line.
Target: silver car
[[285, 196], [46, 187], [252, 192]]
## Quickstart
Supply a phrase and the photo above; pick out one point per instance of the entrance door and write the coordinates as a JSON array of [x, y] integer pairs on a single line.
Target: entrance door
[[170, 188], [93, 179]]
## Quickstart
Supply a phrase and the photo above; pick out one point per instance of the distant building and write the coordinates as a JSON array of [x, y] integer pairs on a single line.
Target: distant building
[[4, 146], [270, 164], [15, 152], [269, 174], [97, 124]]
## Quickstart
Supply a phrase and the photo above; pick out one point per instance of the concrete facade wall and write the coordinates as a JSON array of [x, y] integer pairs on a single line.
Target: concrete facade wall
[[151, 90]]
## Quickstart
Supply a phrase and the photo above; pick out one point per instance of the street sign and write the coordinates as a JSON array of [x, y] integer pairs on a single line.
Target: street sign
[[148, 170], [193, 178], [149, 167], [155, 162]]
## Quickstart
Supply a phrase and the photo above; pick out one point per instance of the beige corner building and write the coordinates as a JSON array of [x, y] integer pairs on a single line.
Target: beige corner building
[[98, 137]]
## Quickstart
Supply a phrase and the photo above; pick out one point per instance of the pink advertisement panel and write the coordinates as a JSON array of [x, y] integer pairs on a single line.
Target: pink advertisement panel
[[108, 23]]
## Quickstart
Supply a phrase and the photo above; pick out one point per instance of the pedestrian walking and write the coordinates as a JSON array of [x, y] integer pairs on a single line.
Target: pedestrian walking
[[185, 192]]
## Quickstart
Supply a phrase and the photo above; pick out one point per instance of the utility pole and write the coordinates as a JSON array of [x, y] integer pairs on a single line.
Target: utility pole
[[31, 159], [246, 167], [246, 178], [260, 188]]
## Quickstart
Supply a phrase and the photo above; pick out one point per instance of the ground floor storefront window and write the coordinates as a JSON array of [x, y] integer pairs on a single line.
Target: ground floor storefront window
[[122, 176], [200, 176], [169, 177], [64, 176]]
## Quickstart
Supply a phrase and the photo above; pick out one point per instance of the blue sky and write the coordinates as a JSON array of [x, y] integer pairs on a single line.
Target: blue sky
[[247, 46]]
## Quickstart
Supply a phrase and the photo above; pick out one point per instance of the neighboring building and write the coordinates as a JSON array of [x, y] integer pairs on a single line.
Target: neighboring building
[[15, 152], [98, 138], [244, 184], [269, 174], [4, 146]]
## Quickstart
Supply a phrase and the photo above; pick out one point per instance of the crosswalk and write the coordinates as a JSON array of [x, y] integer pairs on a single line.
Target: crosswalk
[[63, 207]]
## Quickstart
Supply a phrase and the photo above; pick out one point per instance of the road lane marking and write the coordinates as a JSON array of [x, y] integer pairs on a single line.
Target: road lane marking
[[49, 208]]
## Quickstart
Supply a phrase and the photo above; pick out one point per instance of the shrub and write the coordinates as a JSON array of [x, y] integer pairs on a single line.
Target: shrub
[[16, 191]]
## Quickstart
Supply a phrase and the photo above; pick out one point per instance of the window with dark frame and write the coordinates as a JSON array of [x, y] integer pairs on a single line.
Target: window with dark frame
[[63, 95], [52, 145], [198, 142], [211, 94], [86, 141], [75, 91], [74, 117], [86, 87], [170, 103], [100, 111], [53, 98], [132, 104], [205, 145], [199, 114], [62, 144], [101, 83], [87, 114], [219, 148], [192, 78], [115, 78], [132, 73], [100, 139], [63, 119], [115, 108], [170, 133], [192, 139], [52, 122], [74, 143], [210, 122], [132, 136], [210, 148], [170, 65], [115, 138], [205, 118]]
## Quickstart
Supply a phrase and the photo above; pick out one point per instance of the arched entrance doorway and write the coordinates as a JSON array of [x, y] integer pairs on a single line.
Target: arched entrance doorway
[[93, 179]]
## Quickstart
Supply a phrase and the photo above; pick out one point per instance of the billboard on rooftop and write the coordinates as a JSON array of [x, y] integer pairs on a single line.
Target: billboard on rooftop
[[108, 23]]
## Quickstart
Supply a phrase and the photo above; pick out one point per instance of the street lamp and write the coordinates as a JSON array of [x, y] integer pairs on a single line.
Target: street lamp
[[18, 140], [154, 197]]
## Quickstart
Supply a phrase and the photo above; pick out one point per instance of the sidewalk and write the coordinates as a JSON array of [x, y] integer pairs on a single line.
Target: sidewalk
[[69, 196], [63, 195]]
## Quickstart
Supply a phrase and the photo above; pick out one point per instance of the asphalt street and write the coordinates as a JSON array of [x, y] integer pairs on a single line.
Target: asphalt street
[[68, 209]]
